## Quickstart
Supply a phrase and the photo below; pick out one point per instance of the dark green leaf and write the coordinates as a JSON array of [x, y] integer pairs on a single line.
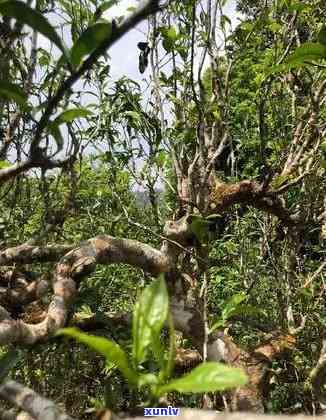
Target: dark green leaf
[[104, 6], [148, 319], [199, 227], [225, 19], [112, 352], [13, 92], [208, 377], [65, 117], [89, 41], [54, 130], [8, 362], [322, 35], [28, 16]]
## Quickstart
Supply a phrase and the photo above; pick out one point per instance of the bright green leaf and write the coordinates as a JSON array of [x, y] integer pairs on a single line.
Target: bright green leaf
[[71, 114], [135, 116], [207, 377], [112, 352], [298, 7], [148, 319], [89, 41], [31, 17], [13, 92], [279, 181], [4, 164], [170, 36], [308, 51]]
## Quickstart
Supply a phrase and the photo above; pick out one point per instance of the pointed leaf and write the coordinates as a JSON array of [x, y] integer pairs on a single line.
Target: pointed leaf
[[308, 51], [148, 319], [65, 117], [104, 6], [112, 352], [31, 17], [13, 92], [207, 377], [8, 362], [322, 35], [89, 41], [71, 114]]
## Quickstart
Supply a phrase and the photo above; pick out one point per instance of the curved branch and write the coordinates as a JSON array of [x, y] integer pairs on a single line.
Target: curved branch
[[224, 195], [27, 254], [38, 407], [77, 263]]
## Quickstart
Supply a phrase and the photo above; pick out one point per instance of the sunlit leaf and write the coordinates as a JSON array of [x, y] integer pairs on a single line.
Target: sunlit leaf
[[71, 114], [208, 377], [112, 352], [31, 17], [148, 319], [308, 51], [4, 164], [89, 41]]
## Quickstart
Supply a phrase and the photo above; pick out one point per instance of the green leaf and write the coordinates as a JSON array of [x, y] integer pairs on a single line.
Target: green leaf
[[279, 181], [89, 41], [13, 92], [105, 6], [207, 377], [298, 7], [230, 308], [112, 352], [170, 36], [150, 313], [31, 17], [4, 164], [308, 51], [135, 116], [232, 304], [322, 35], [248, 311], [225, 19], [199, 226], [71, 114], [8, 362], [65, 117]]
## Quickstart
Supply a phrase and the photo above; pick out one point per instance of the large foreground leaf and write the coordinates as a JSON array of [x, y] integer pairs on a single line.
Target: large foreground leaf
[[112, 352], [150, 313], [89, 41], [207, 377], [31, 17], [13, 92]]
